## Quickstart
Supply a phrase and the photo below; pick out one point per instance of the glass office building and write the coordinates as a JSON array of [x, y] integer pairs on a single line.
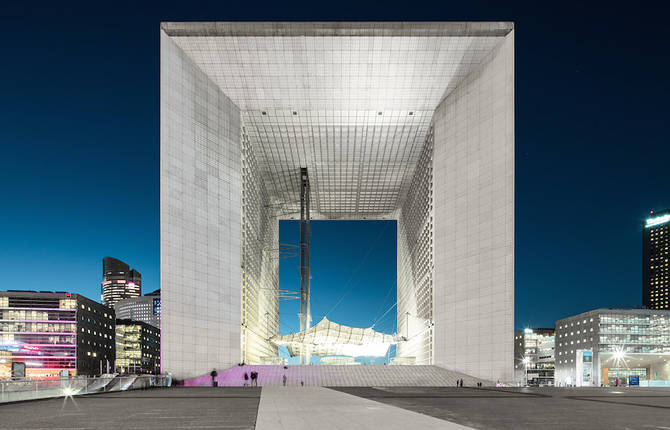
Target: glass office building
[[51, 332], [138, 347], [146, 308], [605, 345], [534, 356]]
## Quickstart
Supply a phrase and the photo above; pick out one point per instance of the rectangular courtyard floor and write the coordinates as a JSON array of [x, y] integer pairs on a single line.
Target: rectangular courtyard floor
[[162, 408], [532, 408], [298, 408]]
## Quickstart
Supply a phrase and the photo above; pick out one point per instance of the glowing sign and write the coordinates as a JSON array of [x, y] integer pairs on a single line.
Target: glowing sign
[[528, 331], [30, 347], [658, 220]]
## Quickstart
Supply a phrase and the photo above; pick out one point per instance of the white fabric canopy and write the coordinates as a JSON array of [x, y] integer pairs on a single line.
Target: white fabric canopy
[[329, 338]]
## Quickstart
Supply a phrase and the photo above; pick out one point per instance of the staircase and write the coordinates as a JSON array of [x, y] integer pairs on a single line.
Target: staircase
[[340, 376]]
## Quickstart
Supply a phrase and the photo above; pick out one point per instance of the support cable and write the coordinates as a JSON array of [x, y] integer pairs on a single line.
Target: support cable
[[388, 293], [367, 254]]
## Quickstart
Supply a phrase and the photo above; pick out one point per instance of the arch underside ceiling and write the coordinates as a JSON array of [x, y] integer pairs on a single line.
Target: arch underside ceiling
[[353, 110]]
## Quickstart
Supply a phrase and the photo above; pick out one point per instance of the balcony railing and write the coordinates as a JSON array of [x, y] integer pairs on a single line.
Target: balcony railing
[[20, 390]]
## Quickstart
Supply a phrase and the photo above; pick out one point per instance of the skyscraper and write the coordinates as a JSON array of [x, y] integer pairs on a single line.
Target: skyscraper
[[655, 265], [118, 281]]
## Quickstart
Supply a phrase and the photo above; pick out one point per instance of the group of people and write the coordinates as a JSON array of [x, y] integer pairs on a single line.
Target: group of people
[[254, 378], [459, 383], [253, 375]]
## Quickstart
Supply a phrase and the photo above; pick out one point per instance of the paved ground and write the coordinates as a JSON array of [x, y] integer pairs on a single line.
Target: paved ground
[[169, 408], [296, 408], [525, 408]]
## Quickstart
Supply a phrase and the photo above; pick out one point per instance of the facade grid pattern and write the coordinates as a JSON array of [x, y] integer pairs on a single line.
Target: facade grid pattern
[[415, 263], [260, 264], [200, 198], [620, 340]]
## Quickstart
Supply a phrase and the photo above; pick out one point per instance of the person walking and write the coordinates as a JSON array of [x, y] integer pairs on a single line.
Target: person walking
[[283, 378], [246, 378], [213, 374], [254, 379]]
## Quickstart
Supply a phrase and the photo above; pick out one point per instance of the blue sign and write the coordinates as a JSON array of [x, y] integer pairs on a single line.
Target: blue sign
[[634, 380], [157, 305]]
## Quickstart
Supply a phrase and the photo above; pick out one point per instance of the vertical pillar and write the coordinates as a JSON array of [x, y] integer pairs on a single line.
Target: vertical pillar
[[305, 312], [473, 189], [200, 219]]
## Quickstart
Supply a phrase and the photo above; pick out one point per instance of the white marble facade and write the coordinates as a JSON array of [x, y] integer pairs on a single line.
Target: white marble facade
[[200, 219], [473, 180], [355, 103]]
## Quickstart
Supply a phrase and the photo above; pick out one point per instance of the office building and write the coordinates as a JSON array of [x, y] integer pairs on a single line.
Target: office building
[[146, 308], [534, 356], [138, 347], [119, 282], [656, 261], [55, 331], [597, 347], [404, 121]]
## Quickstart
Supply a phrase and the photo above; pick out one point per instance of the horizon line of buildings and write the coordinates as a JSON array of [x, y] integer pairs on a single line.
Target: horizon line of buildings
[[52, 334], [49, 332], [608, 346]]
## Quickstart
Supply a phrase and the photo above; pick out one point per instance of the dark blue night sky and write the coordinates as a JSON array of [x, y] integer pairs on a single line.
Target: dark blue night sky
[[79, 130]]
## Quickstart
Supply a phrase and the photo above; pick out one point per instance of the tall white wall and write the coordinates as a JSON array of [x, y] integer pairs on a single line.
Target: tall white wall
[[200, 212], [415, 263], [473, 180]]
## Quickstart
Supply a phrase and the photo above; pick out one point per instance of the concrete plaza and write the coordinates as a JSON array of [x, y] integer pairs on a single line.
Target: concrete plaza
[[299, 408]]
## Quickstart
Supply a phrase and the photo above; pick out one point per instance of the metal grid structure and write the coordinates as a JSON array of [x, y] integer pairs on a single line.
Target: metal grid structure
[[415, 262], [260, 267], [353, 110]]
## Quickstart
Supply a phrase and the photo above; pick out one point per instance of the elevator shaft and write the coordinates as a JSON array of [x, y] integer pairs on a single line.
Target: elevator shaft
[[305, 275]]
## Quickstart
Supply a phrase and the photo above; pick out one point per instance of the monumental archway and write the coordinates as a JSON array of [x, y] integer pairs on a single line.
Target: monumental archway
[[405, 121]]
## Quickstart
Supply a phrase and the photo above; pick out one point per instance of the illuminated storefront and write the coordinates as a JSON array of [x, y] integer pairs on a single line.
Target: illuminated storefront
[[54, 332], [606, 346]]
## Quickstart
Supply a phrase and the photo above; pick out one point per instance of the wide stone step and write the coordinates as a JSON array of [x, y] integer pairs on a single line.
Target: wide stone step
[[339, 376]]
